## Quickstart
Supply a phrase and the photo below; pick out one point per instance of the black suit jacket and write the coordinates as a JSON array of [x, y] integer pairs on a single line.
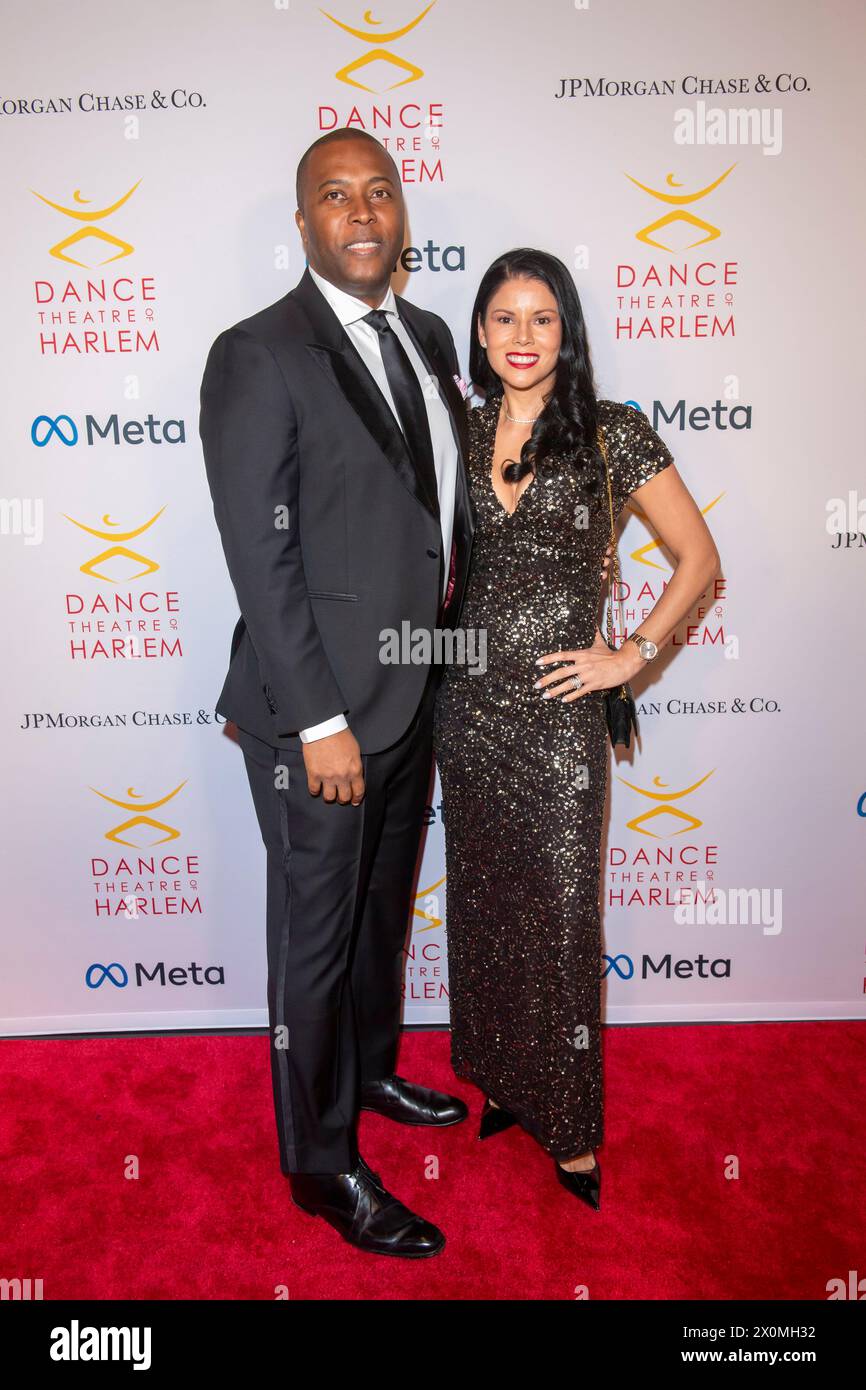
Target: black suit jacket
[[327, 531]]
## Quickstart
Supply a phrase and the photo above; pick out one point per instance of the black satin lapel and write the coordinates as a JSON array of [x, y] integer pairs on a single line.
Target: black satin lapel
[[332, 348], [348, 373]]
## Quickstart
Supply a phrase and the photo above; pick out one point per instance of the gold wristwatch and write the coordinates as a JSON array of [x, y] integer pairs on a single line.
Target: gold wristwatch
[[646, 648]]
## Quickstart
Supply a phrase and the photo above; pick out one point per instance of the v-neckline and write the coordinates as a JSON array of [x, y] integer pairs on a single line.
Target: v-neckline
[[493, 428], [496, 498]]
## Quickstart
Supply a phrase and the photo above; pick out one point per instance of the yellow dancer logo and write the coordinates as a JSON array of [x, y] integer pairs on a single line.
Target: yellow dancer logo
[[116, 551], [82, 212], [674, 820], [377, 37], [640, 555], [679, 200], [163, 831]]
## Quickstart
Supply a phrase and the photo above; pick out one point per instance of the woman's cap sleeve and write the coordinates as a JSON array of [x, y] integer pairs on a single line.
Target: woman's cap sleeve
[[636, 453]]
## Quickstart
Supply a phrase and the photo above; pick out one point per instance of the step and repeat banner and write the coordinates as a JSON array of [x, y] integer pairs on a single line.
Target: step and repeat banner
[[696, 165]]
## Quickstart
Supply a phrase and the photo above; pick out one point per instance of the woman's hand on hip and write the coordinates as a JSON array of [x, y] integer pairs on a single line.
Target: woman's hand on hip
[[596, 667]]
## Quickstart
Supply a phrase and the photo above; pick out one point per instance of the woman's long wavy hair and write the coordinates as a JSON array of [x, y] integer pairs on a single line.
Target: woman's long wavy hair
[[569, 419]]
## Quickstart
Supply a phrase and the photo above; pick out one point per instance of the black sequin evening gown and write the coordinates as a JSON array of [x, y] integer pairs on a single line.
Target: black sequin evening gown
[[523, 788]]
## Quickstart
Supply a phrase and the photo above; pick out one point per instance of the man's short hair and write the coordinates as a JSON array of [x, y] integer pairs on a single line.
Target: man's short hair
[[342, 133]]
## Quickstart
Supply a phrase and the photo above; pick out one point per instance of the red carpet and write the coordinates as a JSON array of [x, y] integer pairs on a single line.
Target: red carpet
[[210, 1215]]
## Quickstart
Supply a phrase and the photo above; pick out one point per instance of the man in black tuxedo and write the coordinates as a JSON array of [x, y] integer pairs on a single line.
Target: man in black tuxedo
[[334, 440]]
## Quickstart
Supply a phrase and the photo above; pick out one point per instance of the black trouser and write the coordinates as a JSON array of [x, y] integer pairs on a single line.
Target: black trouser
[[339, 888]]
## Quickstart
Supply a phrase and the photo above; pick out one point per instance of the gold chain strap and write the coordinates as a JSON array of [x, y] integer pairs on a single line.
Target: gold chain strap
[[614, 580]]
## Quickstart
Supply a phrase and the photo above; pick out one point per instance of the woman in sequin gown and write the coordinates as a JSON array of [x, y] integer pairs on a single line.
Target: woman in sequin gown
[[524, 777]]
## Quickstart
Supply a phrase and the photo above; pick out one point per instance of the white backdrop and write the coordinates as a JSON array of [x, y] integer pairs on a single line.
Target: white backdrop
[[154, 146]]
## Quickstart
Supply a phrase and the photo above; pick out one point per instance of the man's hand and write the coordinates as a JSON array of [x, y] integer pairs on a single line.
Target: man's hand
[[334, 768]]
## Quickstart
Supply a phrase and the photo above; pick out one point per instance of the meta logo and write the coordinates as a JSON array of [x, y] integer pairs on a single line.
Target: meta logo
[[98, 974], [60, 427], [64, 429], [432, 257], [701, 968], [622, 965], [717, 416]]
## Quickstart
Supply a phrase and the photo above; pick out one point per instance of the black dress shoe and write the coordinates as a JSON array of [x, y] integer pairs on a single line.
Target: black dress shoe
[[494, 1120], [586, 1186], [409, 1104], [366, 1215]]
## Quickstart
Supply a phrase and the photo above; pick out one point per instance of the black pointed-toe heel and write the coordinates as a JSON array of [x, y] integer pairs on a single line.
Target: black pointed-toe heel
[[494, 1120], [586, 1186]]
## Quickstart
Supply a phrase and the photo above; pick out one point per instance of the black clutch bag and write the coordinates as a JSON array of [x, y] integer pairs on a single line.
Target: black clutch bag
[[619, 706]]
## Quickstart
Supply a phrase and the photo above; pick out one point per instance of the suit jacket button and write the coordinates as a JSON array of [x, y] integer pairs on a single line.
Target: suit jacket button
[[434, 554]]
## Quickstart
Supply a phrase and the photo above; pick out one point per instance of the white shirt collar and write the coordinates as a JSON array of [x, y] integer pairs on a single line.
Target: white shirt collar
[[347, 308]]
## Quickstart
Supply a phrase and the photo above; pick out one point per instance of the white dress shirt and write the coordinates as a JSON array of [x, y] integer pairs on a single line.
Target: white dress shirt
[[350, 311]]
